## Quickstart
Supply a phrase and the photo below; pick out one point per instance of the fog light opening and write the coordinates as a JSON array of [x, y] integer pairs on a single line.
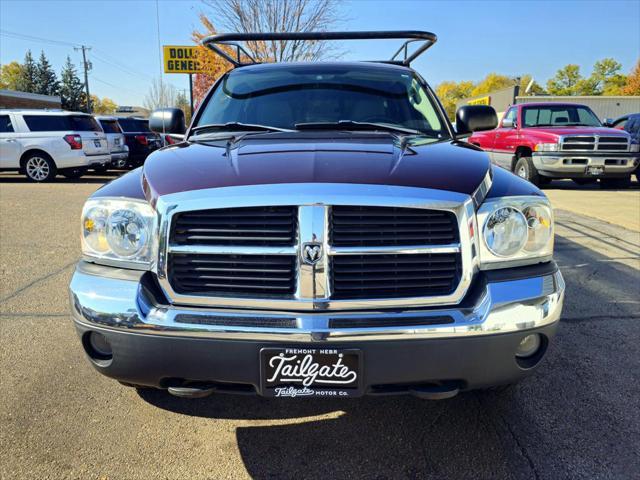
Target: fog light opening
[[528, 346], [98, 348]]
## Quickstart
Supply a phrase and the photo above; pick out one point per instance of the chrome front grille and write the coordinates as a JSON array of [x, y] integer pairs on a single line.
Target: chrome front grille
[[384, 226], [591, 143], [236, 226], [382, 276], [409, 250], [220, 274]]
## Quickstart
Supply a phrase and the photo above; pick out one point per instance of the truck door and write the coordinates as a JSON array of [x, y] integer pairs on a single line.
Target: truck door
[[9, 144], [506, 139]]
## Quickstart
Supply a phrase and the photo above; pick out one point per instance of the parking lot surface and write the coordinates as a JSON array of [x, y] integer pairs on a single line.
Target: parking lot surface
[[577, 417]]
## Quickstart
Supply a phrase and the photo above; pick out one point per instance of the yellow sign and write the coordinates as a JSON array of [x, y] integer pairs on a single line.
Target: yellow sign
[[480, 101], [181, 59]]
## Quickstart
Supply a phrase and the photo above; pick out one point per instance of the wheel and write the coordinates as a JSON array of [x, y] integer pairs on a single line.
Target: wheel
[[74, 173], [584, 181], [623, 182], [39, 167], [524, 169]]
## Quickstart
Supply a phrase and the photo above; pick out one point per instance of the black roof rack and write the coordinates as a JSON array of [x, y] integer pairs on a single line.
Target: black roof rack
[[216, 42]]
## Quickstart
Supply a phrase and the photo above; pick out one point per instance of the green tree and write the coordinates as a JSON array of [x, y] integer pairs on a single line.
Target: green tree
[[71, 88], [565, 80], [29, 75], [182, 102], [10, 75], [46, 79], [607, 78]]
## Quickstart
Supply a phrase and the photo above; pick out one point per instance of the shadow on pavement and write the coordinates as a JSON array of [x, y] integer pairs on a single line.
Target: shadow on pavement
[[577, 416], [90, 177]]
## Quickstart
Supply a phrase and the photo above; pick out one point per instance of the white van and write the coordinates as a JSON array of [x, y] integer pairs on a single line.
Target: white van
[[42, 143]]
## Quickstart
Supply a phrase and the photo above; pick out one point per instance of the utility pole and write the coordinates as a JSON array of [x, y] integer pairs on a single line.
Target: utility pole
[[87, 67]]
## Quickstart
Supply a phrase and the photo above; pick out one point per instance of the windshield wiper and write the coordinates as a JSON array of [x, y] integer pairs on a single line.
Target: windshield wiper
[[237, 127], [353, 125]]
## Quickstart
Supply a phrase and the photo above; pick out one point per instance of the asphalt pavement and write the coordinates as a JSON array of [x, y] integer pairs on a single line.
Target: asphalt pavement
[[577, 417]]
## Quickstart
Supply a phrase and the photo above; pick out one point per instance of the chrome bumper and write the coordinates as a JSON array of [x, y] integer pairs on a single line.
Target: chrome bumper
[[115, 299], [119, 155], [577, 163]]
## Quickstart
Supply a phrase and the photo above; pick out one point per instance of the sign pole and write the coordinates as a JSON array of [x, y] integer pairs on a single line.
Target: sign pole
[[191, 93]]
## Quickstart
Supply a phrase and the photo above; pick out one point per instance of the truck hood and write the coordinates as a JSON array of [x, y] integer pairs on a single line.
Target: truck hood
[[315, 157]]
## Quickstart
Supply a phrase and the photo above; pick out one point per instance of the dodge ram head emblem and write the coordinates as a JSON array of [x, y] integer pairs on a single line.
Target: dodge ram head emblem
[[311, 253]]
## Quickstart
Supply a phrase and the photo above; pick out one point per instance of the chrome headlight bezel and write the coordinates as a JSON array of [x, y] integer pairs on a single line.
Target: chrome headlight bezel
[[99, 232], [537, 212]]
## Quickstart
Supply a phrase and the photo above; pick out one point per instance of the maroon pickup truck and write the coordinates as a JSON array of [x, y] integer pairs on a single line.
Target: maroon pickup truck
[[543, 141]]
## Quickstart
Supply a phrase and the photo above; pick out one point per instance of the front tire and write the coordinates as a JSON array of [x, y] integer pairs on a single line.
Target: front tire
[[39, 167], [524, 169], [615, 183]]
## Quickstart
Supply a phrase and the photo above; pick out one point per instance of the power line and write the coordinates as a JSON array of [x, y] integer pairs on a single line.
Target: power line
[[103, 57], [119, 87], [33, 38]]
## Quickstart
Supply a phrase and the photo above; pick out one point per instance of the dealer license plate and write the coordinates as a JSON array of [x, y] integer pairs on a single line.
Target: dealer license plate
[[595, 170], [310, 372]]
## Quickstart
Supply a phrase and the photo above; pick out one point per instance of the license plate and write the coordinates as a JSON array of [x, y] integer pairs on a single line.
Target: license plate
[[310, 372], [595, 170], [97, 143], [116, 141]]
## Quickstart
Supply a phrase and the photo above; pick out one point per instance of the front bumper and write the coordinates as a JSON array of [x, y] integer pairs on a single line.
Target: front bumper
[[574, 164], [163, 345]]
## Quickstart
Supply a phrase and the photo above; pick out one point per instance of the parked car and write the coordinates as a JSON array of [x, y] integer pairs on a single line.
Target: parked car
[[321, 231], [117, 146], [42, 143], [631, 124], [543, 141], [140, 140]]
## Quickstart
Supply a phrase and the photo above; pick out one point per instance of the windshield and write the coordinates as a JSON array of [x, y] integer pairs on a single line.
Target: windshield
[[134, 125], [559, 116], [291, 95], [110, 126]]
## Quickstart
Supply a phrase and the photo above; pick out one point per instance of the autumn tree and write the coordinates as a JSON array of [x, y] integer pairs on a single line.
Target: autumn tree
[[632, 85], [28, 75], [491, 83], [10, 75], [450, 93], [103, 106]]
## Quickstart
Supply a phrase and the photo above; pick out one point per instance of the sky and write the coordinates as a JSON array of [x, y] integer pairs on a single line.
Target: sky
[[474, 37]]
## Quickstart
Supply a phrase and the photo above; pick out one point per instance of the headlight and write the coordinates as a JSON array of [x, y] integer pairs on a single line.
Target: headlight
[[546, 147], [117, 231], [635, 147], [515, 231]]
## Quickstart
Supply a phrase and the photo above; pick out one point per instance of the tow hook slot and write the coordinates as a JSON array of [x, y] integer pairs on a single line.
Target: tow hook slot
[[191, 392], [435, 392]]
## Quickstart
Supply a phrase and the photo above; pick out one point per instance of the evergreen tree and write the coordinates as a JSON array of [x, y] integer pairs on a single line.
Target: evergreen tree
[[29, 75], [71, 88], [47, 81]]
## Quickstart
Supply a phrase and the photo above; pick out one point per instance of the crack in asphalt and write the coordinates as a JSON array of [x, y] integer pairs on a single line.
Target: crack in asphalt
[[37, 280], [521, 447]]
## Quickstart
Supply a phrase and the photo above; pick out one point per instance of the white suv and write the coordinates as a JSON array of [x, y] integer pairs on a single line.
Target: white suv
[[41, 143]]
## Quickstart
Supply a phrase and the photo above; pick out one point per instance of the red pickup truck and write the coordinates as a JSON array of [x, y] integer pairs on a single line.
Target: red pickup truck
[[543, 141]]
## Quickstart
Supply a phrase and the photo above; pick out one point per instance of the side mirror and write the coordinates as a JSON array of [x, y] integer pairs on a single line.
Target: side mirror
[[168, 121], [508, 123], [475, 118], [608, 122]]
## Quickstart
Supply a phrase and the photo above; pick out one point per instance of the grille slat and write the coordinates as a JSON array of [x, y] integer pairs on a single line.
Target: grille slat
[[385, 276], [390, 226], [255, 226], [223, 275]]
